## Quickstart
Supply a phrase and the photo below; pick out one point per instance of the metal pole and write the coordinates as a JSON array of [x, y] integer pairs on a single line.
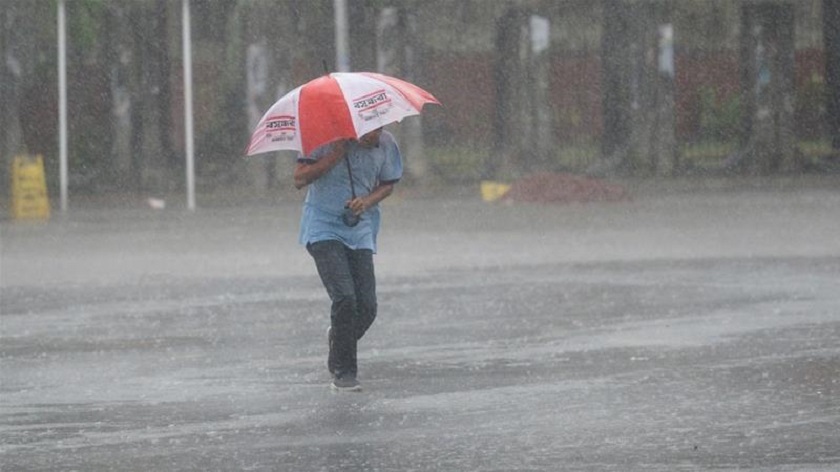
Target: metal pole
[[62, 104], [188, 106], [342, 52]]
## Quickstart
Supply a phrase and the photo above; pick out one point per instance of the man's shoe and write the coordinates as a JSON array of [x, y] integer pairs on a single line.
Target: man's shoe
[[347, 383], [331, 355]]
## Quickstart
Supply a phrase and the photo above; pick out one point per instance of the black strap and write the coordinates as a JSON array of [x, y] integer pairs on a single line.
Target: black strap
[[350, 173]]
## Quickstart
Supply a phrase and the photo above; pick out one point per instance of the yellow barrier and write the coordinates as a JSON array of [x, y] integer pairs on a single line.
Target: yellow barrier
[[492, 191], [29, 189]]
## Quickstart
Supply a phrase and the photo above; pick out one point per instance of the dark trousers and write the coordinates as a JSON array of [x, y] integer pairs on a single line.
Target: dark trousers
[[348, 276]]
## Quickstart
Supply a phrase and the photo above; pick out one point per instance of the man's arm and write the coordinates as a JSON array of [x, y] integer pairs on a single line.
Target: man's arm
[[381, 192], [306, 173]]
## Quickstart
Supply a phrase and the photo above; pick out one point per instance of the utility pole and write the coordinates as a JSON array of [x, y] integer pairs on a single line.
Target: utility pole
[[62, 104], [342, 37], [188, 104]]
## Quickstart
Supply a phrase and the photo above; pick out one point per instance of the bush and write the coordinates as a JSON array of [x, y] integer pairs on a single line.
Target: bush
[[719, 118]]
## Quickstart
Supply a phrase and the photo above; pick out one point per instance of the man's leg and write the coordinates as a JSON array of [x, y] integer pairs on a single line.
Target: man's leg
[[334, 269], [364, 280]]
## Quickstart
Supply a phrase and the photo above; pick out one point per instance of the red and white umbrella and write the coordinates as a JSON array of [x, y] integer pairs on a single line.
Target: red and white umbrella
[[343, 105]]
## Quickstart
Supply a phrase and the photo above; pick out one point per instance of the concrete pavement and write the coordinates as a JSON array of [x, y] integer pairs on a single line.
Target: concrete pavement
[[687, 331]]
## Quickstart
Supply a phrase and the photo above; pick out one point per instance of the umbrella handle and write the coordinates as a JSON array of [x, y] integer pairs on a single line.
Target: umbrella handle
[[350, 219], [350, 173]]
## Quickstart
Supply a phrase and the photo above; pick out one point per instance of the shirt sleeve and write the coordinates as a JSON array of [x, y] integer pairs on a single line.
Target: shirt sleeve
[[392, 168], [305, 160], [314, 155]]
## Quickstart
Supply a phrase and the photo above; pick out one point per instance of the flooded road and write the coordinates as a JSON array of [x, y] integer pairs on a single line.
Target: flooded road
[[687, 331]]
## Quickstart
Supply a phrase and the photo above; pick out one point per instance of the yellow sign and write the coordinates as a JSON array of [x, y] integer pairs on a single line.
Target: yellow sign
[[29, 189], [492, 191]]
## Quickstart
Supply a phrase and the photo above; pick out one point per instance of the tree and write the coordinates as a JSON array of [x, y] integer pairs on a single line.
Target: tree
[[523, 121], [831, 40], [638, 95], [123, 167], [27, 78], [616, 94], [268, 75], [149, 68], [396, 33], [767, 88]]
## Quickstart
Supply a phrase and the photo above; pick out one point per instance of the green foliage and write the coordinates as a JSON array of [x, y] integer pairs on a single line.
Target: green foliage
[[811, 112], [379, 4], [816, 148], [576, 156], [220, 140], [84, 22], [468, 162], [719, 119], [458, 163], [705, 151]]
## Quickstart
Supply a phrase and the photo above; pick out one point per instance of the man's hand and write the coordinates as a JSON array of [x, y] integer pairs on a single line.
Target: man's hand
[[305, 173], [360, 204]]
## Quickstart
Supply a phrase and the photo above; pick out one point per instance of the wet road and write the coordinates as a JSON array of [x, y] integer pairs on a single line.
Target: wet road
[[693, 331]]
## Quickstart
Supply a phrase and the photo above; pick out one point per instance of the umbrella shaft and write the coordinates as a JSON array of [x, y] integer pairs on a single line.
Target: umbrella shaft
[[350, 173]]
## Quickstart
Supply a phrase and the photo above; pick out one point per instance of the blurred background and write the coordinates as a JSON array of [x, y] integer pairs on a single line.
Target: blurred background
[[642, 88]]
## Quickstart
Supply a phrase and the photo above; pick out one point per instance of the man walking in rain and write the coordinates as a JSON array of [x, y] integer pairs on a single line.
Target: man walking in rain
[[340, 221]]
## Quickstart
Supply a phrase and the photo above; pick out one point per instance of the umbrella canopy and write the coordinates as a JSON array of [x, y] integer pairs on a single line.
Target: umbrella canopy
[[343, 105]]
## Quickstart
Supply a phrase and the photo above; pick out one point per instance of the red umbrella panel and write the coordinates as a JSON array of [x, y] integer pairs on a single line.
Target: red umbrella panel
[[343, 105]]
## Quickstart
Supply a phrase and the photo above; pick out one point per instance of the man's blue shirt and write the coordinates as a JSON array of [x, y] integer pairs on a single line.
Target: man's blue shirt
[[326, 196]]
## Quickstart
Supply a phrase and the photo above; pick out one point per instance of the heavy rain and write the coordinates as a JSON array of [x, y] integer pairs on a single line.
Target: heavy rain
[[614, 245]]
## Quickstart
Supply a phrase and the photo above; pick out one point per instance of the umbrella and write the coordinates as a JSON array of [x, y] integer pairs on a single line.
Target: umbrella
[[343, 105]]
